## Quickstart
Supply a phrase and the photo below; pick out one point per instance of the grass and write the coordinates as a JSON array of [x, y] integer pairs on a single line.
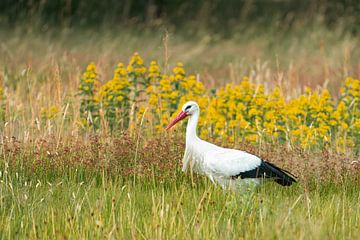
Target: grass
[[78, 204], [101, 189]]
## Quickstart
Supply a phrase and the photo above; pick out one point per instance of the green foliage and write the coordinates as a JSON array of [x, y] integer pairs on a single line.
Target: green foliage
[[205, 14]]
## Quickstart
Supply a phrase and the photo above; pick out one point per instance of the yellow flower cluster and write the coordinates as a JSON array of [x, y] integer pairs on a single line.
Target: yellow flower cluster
[[49, 113], [347, 113], [89, 102], [171, 91], [244, 112], [154, 70], [236, 112], [114, 96], [239, 111], [136, 65], [116, 90], [89, 80], [2, 103]]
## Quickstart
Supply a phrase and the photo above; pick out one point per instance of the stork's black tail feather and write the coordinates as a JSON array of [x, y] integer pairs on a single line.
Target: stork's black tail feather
[[280, 176], [269, 170]]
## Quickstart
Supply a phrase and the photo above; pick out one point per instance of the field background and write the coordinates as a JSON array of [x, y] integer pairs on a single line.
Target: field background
[[59, 181]]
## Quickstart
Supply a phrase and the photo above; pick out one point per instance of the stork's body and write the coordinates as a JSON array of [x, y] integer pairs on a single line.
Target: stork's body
[[229, 168]]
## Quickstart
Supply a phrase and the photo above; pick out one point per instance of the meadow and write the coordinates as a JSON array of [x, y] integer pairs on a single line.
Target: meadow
[[84, 153]]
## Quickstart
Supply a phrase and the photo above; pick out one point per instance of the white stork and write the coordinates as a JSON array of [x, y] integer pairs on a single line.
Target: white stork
[[229, 168]]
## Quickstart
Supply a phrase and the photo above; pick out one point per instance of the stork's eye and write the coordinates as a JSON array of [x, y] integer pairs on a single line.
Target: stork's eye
[[187, 108]]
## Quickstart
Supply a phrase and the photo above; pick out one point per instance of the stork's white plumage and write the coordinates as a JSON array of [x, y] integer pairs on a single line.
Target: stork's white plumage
[[229, 168]]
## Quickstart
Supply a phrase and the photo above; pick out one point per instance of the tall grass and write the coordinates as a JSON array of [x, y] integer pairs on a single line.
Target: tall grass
[[82, 204]]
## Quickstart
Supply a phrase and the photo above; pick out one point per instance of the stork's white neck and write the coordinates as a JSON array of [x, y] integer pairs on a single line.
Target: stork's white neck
[[191, 126], [191, 139]]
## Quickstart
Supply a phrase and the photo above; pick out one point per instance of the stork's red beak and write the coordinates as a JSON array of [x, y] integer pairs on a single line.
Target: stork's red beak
[[178, 118]]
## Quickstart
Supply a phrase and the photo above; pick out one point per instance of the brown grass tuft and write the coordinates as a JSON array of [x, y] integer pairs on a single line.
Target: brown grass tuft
[[160, 157]]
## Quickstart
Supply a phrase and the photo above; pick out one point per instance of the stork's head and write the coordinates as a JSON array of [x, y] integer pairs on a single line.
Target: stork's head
[[188, 109]]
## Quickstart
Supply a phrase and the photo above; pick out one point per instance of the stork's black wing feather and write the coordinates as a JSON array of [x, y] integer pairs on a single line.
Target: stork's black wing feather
[[269, 170]]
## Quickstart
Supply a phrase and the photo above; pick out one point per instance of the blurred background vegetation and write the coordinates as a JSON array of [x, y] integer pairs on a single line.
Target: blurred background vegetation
[[215, 15]]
